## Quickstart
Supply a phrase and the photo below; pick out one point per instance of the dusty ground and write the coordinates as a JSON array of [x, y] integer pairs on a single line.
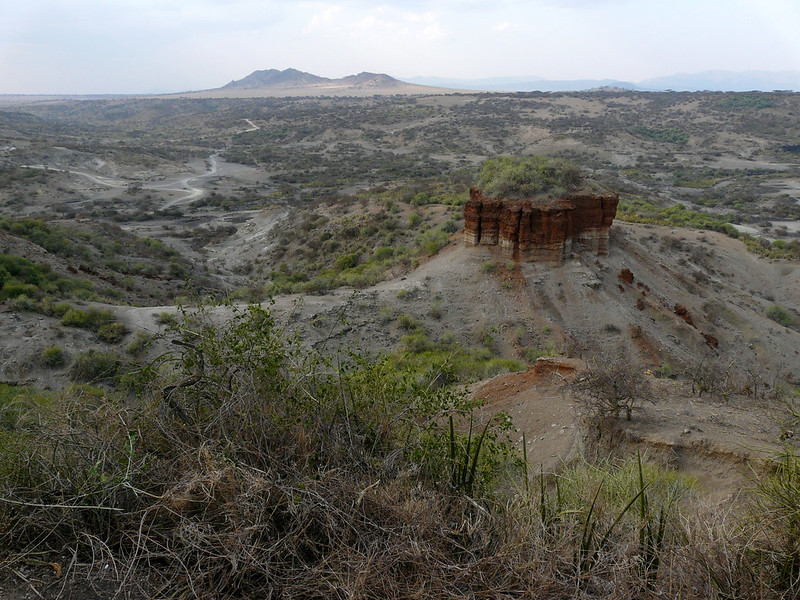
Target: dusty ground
[[719, 443]]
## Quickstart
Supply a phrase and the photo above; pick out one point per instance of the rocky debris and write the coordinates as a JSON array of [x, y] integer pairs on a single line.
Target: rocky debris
[[626, 275], [640, 303], [683, 313], [546, 229], [591, 281], [710, 339]]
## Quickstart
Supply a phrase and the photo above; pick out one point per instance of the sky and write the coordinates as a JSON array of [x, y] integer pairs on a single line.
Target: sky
[[155, 46]]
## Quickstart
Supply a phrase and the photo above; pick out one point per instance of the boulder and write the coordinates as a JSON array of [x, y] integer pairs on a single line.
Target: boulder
[[626, 275]]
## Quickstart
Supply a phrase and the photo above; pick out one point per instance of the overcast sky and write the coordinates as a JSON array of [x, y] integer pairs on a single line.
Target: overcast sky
[[139, 46]]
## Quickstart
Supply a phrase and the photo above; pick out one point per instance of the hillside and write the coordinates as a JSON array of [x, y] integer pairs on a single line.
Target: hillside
[[582, 309]]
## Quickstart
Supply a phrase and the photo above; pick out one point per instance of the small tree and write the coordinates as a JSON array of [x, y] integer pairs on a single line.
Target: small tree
[[610, 386]]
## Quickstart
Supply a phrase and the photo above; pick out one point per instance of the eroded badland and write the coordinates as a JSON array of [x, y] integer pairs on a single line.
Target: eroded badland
[[354, 221]]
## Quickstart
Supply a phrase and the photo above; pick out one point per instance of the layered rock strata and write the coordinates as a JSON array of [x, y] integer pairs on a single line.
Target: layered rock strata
[[546, 229]]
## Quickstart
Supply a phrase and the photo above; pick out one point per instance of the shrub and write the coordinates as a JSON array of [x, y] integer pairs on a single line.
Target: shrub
[[347, 261], [448, 226], [383, 253], [780, 315], [112, 333], [432, 241], [166, 319], [140, 344], [92, 319], [408, 323], [93, 366], [777, 513], [53, 357], [386, 314]]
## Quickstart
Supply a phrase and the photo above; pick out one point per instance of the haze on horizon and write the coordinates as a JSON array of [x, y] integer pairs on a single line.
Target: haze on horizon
[[149, 46]]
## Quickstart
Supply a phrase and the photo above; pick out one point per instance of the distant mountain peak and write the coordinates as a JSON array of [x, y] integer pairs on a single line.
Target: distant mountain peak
[[293, 78], [369, 79], [275, 78]]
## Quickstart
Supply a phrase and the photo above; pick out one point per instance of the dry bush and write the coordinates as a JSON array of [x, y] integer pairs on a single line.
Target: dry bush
[[610, 386], [720, 379]]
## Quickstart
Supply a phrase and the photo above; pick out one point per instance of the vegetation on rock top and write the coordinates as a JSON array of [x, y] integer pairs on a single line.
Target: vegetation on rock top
[[513, 177]]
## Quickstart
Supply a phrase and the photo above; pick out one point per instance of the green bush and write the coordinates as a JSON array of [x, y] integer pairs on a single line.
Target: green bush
[[20, 276], [509, 177], [383, 253], [94, 366], [140, 344], [347, 261], [75, 317], [112, 333], [53, 357], [432, 241], [780, 315], [408, 323], [166, 319]]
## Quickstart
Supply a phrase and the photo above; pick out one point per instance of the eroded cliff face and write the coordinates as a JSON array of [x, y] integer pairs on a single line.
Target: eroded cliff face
[[541, 229]]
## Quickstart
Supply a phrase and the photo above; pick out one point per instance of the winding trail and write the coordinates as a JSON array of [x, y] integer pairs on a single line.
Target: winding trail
[[99, 179], [253, 126], [188, 186], [192, 193], [182, 186]]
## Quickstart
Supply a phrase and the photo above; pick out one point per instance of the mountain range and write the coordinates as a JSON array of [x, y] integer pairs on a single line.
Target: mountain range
[[721, 81], [293, 82], [290, 78]]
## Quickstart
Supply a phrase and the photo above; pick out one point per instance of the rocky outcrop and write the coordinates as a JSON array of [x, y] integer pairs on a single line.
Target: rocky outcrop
[[561, 365], [710, 340], [684, 314], [547, 229]]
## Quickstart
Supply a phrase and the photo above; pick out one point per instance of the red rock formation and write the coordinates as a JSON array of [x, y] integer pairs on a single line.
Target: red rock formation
[[626, 275], [567, 367], [472, 221], [540, 229], [683, 314], [710, 339]]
